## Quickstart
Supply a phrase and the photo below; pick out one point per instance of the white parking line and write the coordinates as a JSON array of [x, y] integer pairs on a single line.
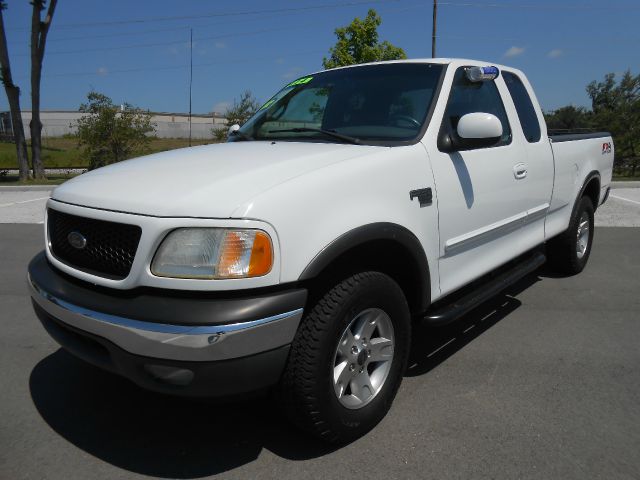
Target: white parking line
[[23, 201], [625, 199]]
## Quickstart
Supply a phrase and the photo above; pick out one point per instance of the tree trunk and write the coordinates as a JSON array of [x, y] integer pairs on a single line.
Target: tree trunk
[[36, 129], [13, 95], [39, 32]]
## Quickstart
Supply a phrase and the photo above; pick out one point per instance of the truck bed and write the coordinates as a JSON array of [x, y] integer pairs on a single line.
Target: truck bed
[[577, 156], [570, 136]]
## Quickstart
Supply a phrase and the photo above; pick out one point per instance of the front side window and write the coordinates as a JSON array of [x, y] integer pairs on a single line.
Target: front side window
[[373, 104], [471, 97]]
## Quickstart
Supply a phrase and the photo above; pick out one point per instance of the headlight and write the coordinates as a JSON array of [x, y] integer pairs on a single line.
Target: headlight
[[213, 253]]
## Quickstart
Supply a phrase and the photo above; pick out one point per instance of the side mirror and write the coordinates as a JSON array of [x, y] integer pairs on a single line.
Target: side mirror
[[479, 126], [233, 129], [475, 130]]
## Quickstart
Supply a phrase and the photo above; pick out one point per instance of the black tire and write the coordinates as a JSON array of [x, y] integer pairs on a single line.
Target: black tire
[[562, 251], [307, 387]]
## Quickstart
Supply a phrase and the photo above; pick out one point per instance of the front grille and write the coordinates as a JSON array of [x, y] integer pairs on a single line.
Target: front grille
[[109, 248]]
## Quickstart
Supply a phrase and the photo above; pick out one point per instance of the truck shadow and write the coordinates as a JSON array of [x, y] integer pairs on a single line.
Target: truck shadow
[[433, 345], [161, 436], [157, 435]]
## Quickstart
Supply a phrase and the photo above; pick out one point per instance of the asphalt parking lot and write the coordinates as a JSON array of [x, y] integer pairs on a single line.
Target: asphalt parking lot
[[541, 382]]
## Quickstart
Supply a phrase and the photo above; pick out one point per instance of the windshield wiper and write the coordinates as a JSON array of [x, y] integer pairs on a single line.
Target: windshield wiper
[[241, 135], [329, 133]]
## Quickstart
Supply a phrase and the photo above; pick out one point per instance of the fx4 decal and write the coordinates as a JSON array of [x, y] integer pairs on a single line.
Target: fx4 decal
[[606, 148]]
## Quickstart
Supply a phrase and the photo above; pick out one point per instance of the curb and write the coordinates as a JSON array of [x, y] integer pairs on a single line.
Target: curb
[[623, 184], [27, 188]]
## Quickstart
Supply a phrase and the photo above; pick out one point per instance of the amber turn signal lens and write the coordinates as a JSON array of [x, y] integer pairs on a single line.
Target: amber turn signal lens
[[261, 255]]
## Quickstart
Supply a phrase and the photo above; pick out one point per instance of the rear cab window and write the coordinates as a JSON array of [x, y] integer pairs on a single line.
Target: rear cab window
[[524, 107]]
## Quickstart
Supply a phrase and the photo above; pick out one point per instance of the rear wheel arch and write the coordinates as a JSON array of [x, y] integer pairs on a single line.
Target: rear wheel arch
[[386, 247], [569, 252], [591, 189]]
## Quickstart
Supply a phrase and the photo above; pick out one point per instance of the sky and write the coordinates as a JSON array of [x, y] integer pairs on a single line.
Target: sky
[[138, 51]]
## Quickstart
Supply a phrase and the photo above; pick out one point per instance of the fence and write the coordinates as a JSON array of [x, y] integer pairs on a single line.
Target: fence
[[168, 125]]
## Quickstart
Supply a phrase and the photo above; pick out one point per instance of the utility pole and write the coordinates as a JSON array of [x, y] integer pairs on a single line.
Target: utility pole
[[190, 77], [433, 32]]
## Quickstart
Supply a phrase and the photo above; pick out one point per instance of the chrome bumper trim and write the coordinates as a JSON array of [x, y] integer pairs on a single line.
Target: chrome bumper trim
[[175, 342]]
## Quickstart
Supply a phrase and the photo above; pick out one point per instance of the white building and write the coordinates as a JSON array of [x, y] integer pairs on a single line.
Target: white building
[[56, 123]]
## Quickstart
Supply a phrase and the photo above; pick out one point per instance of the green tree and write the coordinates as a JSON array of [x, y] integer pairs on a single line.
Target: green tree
[[358, 43], [616, 108], [242, 110], [219, 134], [110, 133], [569, 118]]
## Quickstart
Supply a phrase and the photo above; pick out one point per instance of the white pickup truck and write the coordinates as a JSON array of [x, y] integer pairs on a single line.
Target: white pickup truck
[[297, 256]]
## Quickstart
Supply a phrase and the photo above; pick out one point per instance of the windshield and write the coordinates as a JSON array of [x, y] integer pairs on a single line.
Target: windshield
[[376, 103]]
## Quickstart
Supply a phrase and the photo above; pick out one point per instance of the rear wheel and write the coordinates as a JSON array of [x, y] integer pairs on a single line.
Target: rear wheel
[[348, 358], [569, 252]]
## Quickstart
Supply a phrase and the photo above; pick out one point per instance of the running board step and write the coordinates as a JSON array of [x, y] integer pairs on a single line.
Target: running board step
[[453, 310]]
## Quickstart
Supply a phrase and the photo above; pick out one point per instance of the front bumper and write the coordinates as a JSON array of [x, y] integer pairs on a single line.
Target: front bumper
[[168, 341]]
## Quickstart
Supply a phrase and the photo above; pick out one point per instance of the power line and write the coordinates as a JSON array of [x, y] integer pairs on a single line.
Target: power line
[[174, 42], [246, 33], [219, 14], [167, 43], [607, 39], [110, 72], [180, 67], [230, 62], [185, 27], [541, 7], [290, 10], [180, 42], [106, 49], [119, 32], [278, 29]]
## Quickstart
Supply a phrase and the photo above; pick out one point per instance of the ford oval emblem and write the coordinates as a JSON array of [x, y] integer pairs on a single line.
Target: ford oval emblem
[[77, 240]]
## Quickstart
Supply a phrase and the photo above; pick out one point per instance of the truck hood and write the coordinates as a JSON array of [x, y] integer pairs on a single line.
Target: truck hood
[[210, 181]]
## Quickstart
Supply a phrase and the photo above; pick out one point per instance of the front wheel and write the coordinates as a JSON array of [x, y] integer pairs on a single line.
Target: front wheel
[[348, 358], [569, 252]]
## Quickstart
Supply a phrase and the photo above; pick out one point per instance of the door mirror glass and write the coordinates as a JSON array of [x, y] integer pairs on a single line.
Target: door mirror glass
[[479, 125]]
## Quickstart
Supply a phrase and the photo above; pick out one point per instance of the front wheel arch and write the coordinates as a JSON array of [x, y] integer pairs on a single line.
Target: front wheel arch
[[386, 247]]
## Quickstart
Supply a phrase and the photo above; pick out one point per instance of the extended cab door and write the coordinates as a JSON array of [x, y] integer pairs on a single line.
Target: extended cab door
[[533, 133], [489, 203]]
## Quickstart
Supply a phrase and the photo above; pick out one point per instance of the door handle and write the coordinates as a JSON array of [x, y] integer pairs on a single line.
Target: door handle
[[520, 171]]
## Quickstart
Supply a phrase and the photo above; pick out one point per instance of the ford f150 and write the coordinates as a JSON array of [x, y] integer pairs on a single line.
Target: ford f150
[[297, 256]]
